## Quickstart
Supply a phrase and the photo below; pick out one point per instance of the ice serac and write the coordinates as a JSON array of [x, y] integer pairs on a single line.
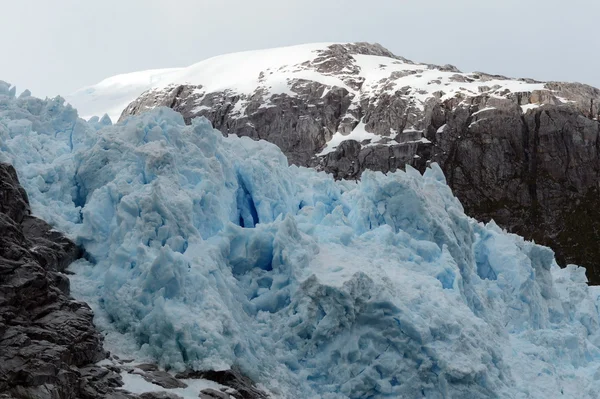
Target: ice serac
[[207, 252], [48, 342], [518, 151]]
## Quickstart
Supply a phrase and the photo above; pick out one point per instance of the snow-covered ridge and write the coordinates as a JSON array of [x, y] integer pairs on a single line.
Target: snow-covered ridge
[[368, 71], [238, 72]]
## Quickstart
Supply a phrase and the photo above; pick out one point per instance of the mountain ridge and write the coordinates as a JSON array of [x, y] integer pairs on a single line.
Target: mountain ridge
[[159, 78]]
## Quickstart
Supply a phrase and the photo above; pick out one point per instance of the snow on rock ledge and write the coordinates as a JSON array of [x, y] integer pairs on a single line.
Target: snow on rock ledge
[[208, 252]]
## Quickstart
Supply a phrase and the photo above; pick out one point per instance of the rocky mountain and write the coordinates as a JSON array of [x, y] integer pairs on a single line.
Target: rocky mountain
[[522, 152]]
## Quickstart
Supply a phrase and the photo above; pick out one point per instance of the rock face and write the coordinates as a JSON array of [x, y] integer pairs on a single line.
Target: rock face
[[45, 336], [522, 152]]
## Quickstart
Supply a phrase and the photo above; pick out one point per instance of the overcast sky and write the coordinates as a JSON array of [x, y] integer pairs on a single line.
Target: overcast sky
[[54, 47]]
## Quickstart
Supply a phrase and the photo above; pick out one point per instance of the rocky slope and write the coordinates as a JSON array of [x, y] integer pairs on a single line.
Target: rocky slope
[[46, 338], [522, 152]]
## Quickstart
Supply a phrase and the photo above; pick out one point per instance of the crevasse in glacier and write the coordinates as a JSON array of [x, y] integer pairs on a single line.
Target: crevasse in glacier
[[209, 251]]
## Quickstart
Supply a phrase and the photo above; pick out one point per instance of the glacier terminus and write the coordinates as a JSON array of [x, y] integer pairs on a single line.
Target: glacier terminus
[[205, 252]]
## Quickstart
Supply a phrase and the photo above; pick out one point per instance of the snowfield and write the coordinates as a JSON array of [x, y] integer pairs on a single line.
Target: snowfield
[[205, 252]]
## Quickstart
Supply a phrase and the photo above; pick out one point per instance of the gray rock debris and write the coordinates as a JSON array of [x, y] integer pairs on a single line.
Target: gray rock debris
[[161, 378], [242, 386], [235, 384], [159, 395], [213, 394]]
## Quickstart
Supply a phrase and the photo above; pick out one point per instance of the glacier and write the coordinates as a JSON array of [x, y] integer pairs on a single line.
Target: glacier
[[210, 252]]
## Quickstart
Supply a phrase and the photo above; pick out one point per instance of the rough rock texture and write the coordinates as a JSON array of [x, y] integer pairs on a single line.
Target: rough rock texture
[[159, 395], [46, 338], [527, 159], [241, 385], [163, 379]]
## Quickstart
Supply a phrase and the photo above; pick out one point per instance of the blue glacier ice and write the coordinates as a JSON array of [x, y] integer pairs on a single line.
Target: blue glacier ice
[[207, 252]]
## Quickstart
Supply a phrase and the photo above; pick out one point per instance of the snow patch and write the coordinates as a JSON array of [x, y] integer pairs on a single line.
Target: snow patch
[[528, 107], [483, 110], [359, 133], [136, 384]]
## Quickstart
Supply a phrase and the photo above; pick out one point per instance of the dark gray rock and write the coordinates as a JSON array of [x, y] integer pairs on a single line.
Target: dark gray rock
[[99, 381], [120, 394], [13, 198], [53, 250], [146, 367], [159, 395], [213, 394], [243, 387], [161, 378], [528, 160], [45, 336]]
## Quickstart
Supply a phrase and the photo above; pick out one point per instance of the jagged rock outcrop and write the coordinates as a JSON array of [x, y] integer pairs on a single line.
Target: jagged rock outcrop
[[522, 152], [240, 385], [45, 336]]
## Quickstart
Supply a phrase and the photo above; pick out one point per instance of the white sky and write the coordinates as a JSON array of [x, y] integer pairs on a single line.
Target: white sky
[[56, 46]]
